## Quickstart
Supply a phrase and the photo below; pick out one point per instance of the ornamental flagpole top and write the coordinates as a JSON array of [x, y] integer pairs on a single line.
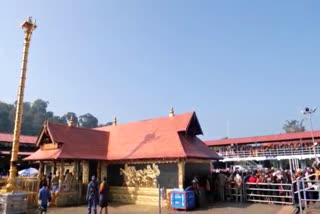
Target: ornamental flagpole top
[[114, 122], [28, 25], [171, 112]]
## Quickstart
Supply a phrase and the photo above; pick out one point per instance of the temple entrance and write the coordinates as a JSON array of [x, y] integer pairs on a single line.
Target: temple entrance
[[93, 167]]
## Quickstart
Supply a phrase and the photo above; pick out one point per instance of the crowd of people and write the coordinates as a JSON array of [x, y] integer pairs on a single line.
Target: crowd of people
[[267, 185], [229, 184], [97, 193], [52, 180]]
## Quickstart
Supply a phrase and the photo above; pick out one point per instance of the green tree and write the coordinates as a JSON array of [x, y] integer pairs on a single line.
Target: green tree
[[27, 120], [34, 114], [74, 116], [88, 121], [105, 124], [5, 123], [292, 126], [58, 119]]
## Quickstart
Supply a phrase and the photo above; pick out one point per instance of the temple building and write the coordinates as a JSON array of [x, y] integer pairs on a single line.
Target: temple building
[[27, 147], [286, 151], [136, 157]]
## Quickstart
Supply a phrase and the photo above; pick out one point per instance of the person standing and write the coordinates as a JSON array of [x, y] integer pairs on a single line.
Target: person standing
[[103, 199], [55, 183], [221, 183], [92, 195], [49, 180], [44, 197], [196, 190], [238, 185]]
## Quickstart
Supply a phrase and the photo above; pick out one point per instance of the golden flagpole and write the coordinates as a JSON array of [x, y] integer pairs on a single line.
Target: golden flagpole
[[28, 26]]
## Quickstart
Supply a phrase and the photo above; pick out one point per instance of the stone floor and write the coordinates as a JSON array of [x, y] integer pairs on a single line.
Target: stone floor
[[216, 209]]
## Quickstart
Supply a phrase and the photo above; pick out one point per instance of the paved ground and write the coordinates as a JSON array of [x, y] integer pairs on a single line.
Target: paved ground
[[216, 209]]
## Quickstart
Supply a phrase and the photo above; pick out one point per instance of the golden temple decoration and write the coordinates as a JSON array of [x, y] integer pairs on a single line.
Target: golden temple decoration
[[61, 173], [28, 27], [41, 168], [76, 169], [114, 122], [171, 113], [85, 172], [141, 178]]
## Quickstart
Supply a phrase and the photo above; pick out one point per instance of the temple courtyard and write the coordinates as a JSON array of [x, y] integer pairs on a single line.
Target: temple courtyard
[[219, 208]]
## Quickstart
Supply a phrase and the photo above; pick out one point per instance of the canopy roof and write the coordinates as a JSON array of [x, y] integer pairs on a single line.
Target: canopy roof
[[159, 138], [6, 137], [287, 137]]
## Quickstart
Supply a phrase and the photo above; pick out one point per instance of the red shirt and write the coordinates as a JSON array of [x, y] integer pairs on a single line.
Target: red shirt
[[252, 180]]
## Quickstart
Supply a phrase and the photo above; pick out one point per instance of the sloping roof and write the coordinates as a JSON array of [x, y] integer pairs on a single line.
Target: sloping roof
[[148, 139], [264, 139], [76, 143], [195, 148], [6, 137]]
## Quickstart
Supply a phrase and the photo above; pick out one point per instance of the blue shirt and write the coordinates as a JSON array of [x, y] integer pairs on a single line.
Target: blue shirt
[[44, 196], [93, 190]]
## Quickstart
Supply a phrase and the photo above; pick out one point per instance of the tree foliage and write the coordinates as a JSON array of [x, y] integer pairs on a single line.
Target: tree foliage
[[35, 113], [88, 121], [292, 126]]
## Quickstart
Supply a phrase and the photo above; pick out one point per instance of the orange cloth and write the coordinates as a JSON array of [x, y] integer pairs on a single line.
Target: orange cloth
[[101, 188]]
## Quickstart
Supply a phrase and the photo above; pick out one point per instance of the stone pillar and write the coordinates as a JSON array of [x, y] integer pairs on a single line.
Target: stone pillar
[[104, 170], [181, 173], [40, 174], [54, 167], [211, 167], [85, 172], [61, 173], [76, 170], [99, 171]]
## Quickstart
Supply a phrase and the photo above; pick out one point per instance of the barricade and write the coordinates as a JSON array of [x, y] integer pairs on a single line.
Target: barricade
[[308, 190], [29, 185], [271, 193], [233, 193]]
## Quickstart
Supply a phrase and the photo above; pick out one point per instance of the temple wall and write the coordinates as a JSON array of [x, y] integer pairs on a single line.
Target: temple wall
[[171, 175], [136, 195], [168, 177]]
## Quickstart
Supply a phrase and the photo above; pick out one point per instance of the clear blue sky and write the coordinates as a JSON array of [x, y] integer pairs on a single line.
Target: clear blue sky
[[252, 63]]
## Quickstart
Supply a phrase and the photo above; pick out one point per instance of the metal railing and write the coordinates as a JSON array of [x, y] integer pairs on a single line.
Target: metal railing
[[272, 193], [260, 152], [31, 186], [234, 193], [305, 187]]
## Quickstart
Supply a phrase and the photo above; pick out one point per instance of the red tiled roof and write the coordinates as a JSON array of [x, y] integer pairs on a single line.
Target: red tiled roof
[[50, 154], [147, 139], [76, 143], [6, 137], [264, 139]]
